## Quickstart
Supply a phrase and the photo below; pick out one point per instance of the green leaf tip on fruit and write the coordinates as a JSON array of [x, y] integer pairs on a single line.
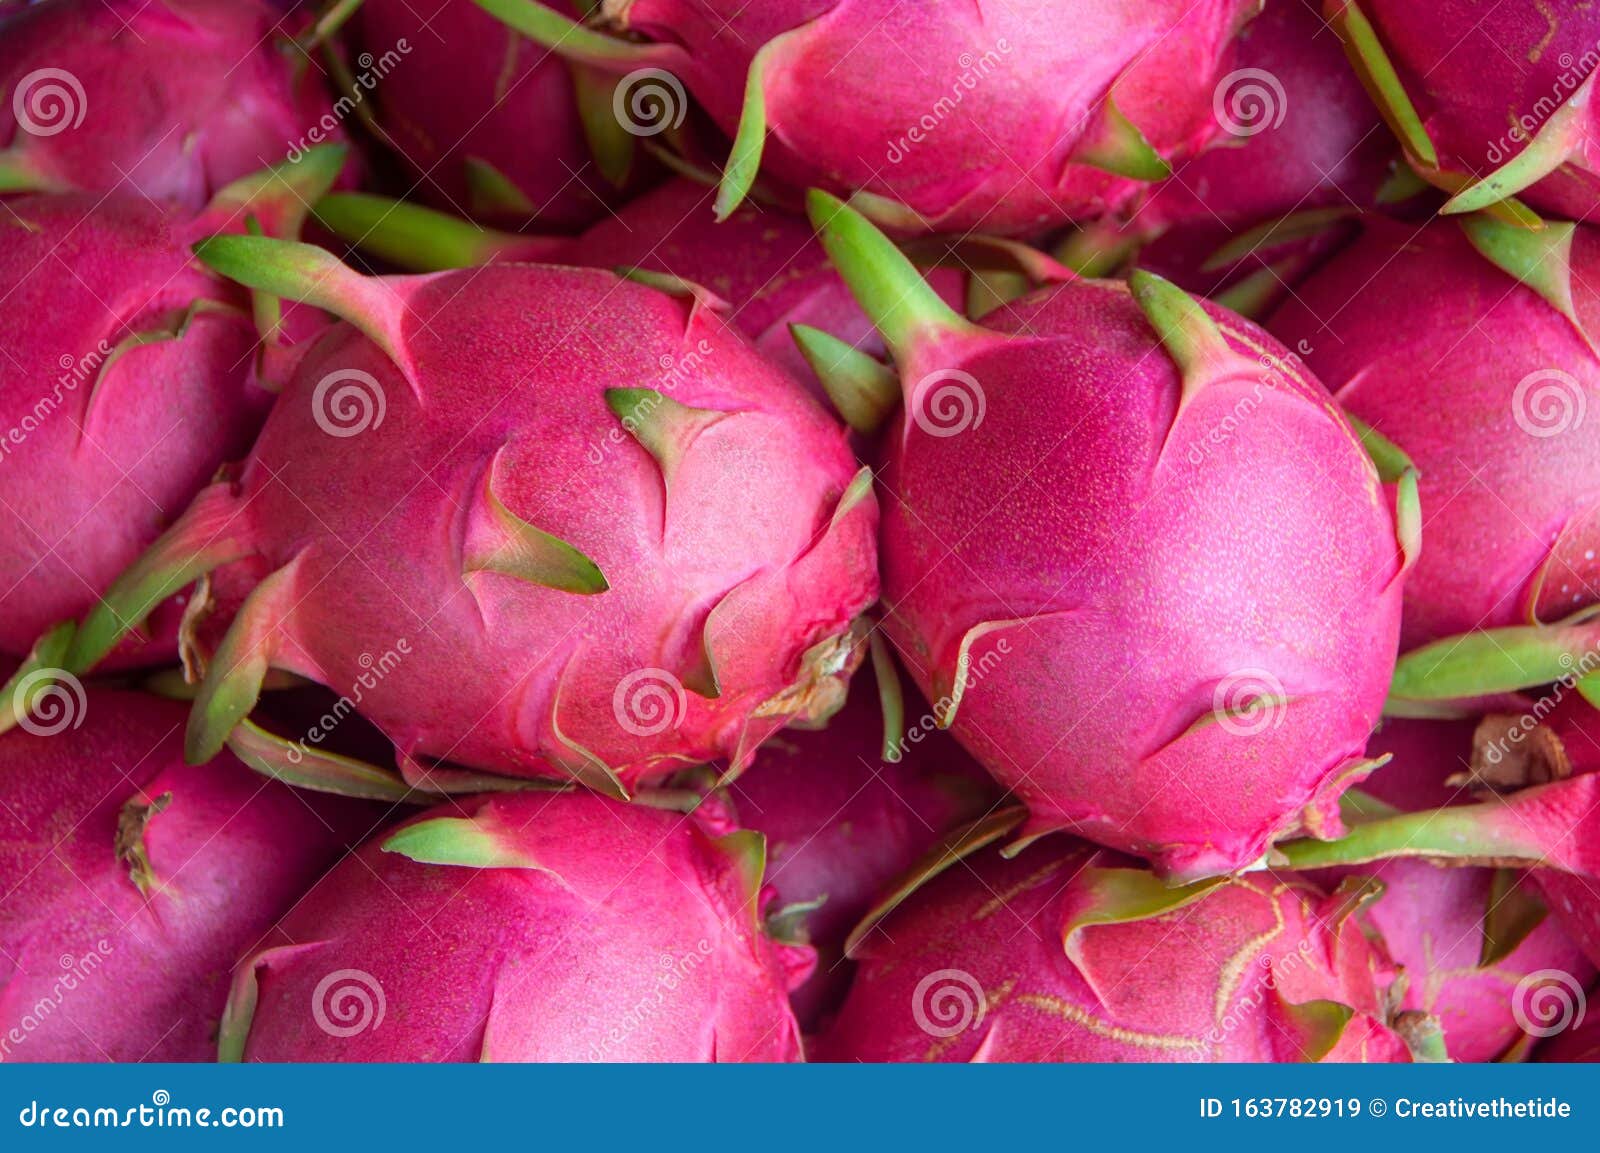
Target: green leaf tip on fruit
[[1114, 144], [902, 305], [863, 390]]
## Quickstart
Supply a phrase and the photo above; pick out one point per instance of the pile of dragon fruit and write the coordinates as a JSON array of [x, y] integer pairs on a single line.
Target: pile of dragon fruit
[[848, 530]]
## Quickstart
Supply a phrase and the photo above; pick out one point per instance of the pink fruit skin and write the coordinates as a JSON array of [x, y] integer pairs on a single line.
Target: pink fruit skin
[[1211, 981], [1012, 93], [1433, 917], [103, 441], [1122, 625], [1576, 1044], [630, 935], [1482, 398], [1471, 69], [842, 823], [1319, 144], [767, 264], [126, 975], [466, 87], [749, 546], [236, 104]]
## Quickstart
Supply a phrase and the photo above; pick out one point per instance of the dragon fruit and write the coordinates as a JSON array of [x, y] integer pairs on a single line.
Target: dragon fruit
[[766, 264], [95, 103], [1508, 369], [527, 927], [1490, 101], [1301, 148], [539, 548], [129, 378], [1109, 635], [488, 121], [1017, 117], [1474, 943], [844, 815], [136, 881], [1066, 953]]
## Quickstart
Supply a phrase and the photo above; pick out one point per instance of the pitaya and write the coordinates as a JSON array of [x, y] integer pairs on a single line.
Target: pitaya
[[134, 881], [1068, 954], [453, 527], [170, 99], [1109, 633], [488, 121], [1475, 944], [1301, 147], [1490, 101], [527, 928], [1486, 398], [766, 264], [128, 379], [844, 815], [1015, 117]]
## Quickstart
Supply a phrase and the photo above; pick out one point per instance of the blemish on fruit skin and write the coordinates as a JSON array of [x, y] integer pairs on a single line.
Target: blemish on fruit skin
[[1550, 32]]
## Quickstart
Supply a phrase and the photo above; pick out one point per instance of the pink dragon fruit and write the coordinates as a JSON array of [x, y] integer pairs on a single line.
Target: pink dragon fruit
[[1508, 369], [1068, 954], [94, 101], [527, 927], [1109, 635], [1016, 117], [136, 881], [452, 526], [1301, 148], [128, 380], [1490, 101], [488, 121], [844, 815], [766, 264], [1474, 943]]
